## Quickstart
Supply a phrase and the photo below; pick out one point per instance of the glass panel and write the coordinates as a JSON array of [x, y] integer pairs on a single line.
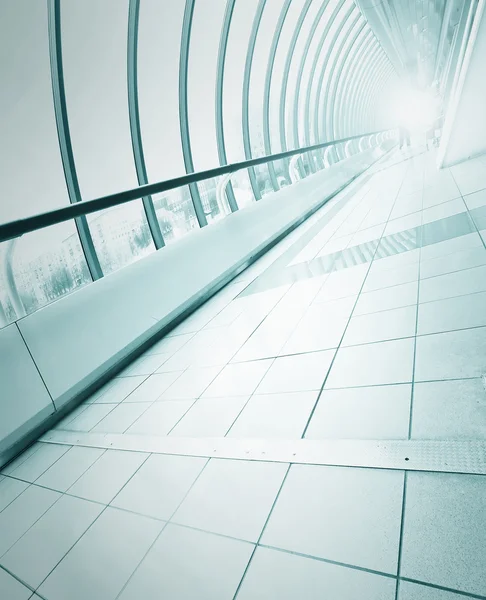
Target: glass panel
[[331, 71], [120, 235], [294, 69], [268, 23], [242, 189], [213, 198], [175, 213], [307, 80], [238, 39], [203, 58], [39, 268], [296, 7], [31, 170], [94, 41], [95, 67], [159, 40], [335, 16]]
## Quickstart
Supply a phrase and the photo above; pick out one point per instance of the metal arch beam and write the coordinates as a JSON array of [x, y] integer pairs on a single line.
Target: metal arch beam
[[366, 82], [246, 96], [317, 108], [312, 74], [223, 45], [64, 135], [300, 74], [344, 74], [377, 83], [285, 79], [356, 61], [367, 53], [330, 98], [183, 109], [134, 117], [346, 18], [369, 61], [266, 94]]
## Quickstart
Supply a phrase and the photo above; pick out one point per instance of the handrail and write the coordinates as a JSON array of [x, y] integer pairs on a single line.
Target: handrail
[[20, 227]]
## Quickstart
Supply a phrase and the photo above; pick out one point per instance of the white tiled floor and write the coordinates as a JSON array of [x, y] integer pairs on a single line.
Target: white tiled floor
[[390, 348]]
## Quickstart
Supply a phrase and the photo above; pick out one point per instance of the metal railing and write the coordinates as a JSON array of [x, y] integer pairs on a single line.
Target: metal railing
[[14, 229]]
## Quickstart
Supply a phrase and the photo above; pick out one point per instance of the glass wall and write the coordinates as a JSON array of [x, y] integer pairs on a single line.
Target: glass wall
[[270, 76]]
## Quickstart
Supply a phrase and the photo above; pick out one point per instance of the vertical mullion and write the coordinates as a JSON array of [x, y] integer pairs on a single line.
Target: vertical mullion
[[64, 136], [223, 45], [246, 96], [285, 80], [183, 109], [134, 116], [266, 95]]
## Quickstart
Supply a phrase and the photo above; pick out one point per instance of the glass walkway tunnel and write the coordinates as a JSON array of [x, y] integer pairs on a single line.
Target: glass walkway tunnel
[[242, 291]]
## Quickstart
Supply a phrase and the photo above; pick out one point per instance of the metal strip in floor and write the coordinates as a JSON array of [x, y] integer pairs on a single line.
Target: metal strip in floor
[[445, 456]]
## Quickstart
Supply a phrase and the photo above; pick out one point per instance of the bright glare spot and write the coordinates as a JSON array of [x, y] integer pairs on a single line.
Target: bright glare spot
[[414, 109]]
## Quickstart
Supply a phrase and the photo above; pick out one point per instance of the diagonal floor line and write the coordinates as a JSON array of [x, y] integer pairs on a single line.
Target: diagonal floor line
[[350, 317]]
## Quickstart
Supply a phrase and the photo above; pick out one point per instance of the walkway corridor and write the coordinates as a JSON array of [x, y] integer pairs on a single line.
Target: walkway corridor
[[214, 467]]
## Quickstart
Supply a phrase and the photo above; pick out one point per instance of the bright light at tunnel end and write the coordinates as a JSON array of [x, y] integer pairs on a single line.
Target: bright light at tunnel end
[[413, 109]]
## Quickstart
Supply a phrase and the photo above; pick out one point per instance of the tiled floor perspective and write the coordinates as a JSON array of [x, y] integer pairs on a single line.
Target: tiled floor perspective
[[367, 322]]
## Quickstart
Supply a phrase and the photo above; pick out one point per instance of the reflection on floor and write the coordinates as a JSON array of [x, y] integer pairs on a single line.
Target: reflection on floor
[[368, 322]]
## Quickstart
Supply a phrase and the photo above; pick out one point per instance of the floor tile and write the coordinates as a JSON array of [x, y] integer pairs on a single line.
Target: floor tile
[[170, 345], [9, 490], [69, 468], [343, 283], [153, 387], [415, 591], [210, 417], [90, 417], [397, 296], [232, 497], [379, 412], [11, 589], [461, 312], [20, 458], [145, 365], [109, 552], [105, 478], [160, 418], [372, 364], [449, 410], [442, 543], [121, 417], [238, 379], [274, 416], [192, 383], [303, 372], [34, 556], [159, 486], [185, 357], [458, 261], [448, 247], [117, 390], [276, 575], [22, 513], [185, 564], [403, 259], [319, 329], [460, 283], [377, 280], [45, 456], [453, 355], [381, 326], [342, 514]]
